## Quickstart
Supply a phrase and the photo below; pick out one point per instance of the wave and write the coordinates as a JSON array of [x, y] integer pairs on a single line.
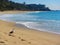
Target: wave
[[40, 26], [45, 21]]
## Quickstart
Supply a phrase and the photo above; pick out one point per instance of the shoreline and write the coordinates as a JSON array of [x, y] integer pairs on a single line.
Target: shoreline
[[12, 12], [21, 12], [25, 36], [16, 12], [40, 30], [29, 27]]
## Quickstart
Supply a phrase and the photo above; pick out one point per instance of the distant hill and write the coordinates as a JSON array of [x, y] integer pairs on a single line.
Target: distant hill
[[10, 5]]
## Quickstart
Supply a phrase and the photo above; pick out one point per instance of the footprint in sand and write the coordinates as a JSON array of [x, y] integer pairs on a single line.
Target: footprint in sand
[[19, 37], [23, 40], [2, 43], [29, 42]]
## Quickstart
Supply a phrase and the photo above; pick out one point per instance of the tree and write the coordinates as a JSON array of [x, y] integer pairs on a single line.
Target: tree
[[10, 5], [24, 3]]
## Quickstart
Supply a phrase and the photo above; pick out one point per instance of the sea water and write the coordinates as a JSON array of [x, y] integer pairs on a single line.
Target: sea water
[[48, 21]]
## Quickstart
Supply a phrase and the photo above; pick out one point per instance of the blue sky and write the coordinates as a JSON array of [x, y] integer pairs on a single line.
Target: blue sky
[[52, 4]]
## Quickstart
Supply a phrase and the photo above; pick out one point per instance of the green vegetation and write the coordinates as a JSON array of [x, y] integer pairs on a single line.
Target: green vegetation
[[10, 5]]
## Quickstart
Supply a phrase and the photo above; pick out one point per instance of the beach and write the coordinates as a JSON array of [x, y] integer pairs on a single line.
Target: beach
[[12, 12], [29, 22], [25, 36]]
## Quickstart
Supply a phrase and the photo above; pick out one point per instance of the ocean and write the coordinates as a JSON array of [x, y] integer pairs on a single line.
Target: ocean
[[48, 21]]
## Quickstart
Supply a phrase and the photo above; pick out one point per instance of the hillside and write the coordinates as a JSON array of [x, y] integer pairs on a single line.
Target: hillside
[[10, 5]]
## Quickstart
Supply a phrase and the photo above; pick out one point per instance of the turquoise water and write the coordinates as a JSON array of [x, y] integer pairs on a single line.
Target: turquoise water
[[44, 21]]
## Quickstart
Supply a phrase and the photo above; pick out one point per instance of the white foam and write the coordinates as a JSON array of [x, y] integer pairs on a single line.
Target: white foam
[[34, 25]]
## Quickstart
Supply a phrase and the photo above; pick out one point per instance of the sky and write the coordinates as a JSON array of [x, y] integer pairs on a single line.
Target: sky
[[52, 4]]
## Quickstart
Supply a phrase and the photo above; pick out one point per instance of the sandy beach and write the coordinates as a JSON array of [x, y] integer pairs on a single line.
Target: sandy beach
[[25, 36], [29, 22], [12, 12]]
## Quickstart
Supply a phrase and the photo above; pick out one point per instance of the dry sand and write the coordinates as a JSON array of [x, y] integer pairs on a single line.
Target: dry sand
[[13, 12], [25, 36]]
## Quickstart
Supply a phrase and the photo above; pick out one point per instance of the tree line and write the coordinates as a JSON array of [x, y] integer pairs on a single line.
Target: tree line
[[10, 5]]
